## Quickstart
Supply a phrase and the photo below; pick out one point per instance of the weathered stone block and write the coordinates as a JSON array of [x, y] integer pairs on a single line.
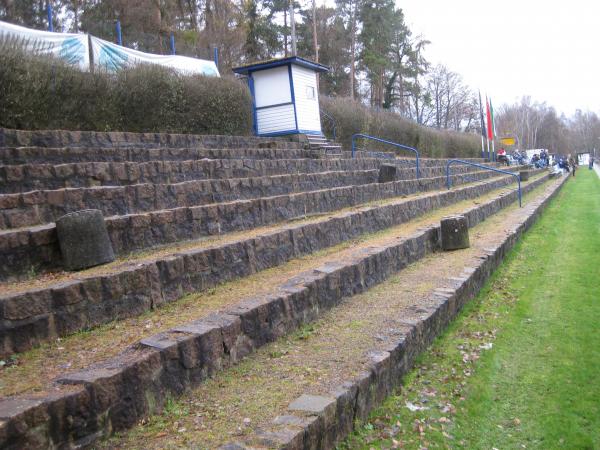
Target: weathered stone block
[[524, 175], [312, 404], [387, 173], [455, 233], [83, 240]]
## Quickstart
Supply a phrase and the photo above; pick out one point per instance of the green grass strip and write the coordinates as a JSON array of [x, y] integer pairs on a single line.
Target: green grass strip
[[520, 367]]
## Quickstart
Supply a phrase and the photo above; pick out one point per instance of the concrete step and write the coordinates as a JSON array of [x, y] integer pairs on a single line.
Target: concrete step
[[31, 312], [36, 248], [86, 403]]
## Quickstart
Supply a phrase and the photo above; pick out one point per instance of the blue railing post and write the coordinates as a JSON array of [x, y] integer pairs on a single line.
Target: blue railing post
[[462, 161], [172, 43], [119, 33], [405, 147], [49, 12], [216, 56]]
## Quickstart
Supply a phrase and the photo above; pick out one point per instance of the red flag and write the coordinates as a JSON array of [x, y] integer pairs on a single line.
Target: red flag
[[490, 130]]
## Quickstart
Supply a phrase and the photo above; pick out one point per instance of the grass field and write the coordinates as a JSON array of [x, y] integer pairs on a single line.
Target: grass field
[[520, 367]]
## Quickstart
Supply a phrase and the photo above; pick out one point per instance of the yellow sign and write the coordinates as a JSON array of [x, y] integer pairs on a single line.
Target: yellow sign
[[508, 141]]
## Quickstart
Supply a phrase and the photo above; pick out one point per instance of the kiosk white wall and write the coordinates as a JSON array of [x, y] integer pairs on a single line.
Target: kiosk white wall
[[285, 96]]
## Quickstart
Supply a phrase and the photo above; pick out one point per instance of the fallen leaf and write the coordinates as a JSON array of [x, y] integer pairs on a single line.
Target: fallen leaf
[[412, 407]]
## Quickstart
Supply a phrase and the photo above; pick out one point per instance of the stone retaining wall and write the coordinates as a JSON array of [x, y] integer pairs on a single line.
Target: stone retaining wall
[[37, 247], [30, 177], [43, 155], [39, 207], [116, 394], [44, 206], [30, 318], [352, 401], [67, 138]]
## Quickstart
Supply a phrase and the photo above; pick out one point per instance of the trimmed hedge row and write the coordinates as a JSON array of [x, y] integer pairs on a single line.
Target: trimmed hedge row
[[44, 93], [352, 117]]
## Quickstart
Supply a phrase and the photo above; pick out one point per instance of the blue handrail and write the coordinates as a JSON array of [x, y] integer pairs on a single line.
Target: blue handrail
[[332, 120], [405, 147], [462, 161]]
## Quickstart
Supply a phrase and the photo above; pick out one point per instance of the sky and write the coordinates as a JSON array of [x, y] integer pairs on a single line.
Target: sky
[[549, 50]]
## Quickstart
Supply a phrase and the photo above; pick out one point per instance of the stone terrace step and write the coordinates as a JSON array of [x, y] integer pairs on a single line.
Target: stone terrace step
[[301, 393], [30, 177], [27, 177], [71, 302], [116, 394], [37, 247], [43, 155], [90, 139], [40, 207], [44, 206]]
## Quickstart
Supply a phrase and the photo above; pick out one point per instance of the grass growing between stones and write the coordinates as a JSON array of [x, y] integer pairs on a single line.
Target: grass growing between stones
[[519, 368]]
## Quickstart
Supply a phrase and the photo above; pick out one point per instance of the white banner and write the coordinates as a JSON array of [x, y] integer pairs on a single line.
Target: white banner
[[113, 57], [72, 48]]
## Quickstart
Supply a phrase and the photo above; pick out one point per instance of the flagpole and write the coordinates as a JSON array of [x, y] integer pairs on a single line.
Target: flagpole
[[482, 148], [489, 135], [488, 149], [493, 128], [483, 130]]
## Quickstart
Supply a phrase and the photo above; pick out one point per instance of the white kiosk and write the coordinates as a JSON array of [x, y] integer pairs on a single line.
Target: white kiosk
[[285, 98]]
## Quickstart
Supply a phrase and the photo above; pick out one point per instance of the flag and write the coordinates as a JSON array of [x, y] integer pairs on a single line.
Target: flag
[[490, 136], [493, 120], [483, 131]]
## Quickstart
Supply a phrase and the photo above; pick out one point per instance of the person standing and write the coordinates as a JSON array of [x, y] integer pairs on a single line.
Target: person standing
[[572, 164], [591, 162]]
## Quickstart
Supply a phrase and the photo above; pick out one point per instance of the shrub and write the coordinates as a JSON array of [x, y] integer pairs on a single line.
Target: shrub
[[39, 92], [352, 117]]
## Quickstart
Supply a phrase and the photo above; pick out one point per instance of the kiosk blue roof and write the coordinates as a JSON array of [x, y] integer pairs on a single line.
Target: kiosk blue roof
[[245, 70]]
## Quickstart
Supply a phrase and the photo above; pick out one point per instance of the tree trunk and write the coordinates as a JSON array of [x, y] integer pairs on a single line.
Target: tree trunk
[[315, 40], [352, 62], [193, 14], [353, 51], [285, 33]]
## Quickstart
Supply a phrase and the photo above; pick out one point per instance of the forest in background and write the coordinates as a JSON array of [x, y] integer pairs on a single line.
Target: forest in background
[[373, 55]]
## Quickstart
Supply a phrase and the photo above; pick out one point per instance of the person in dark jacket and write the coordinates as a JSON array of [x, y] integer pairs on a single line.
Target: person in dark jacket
[[572, 164]]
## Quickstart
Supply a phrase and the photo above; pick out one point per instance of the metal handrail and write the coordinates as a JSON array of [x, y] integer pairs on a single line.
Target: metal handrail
[[405, 147], [332, 120], [462, 161]]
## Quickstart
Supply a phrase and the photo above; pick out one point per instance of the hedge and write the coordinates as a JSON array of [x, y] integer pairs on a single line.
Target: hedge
[[43, 93], [352, 117]]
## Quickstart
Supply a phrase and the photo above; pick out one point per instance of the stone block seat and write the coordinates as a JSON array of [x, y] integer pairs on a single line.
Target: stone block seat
[[186, 215]]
